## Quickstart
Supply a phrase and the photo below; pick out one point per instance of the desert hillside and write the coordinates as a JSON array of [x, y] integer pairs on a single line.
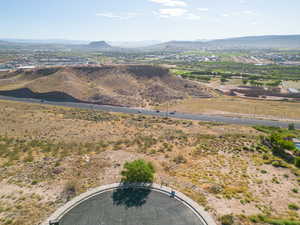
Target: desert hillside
[[50, 154], [130, 85]]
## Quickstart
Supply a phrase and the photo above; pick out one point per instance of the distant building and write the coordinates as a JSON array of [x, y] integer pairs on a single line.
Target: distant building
[[293, 90], [26, 67]]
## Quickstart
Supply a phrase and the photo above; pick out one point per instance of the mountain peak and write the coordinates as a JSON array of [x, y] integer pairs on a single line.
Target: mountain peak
[[99, 44]]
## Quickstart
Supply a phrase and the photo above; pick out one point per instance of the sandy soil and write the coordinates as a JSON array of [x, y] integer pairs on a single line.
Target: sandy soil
[[50, 154]]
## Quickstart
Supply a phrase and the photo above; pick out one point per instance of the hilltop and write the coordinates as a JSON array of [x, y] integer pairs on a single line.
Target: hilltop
[[269, 41], [248, 42], [99, 44], [125, 85]]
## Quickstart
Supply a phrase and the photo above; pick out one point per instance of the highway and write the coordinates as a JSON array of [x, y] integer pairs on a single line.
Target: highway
[[200, 117]]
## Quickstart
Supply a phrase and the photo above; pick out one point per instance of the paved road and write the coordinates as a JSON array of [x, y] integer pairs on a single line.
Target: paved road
[[209, 118], [130, 207], [131, 204]]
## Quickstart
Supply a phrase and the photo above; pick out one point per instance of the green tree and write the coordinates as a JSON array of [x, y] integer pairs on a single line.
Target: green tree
[[223, 79], [280, 143], [138, 171], [291, 126]]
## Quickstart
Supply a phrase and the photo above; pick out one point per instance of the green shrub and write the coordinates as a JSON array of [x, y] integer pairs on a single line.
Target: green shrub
[[297, 161], [282, 222], [291, 126], [266, 129], [293, 206], [227, 220], [295, 190], [223, 79], [267, 220], [34, 182], [138, 171], [70, 189], [279, 143], [279, 163], [245, 81], [179, 159]]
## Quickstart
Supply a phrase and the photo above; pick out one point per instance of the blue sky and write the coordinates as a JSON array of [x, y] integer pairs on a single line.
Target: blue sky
[[133, 20]]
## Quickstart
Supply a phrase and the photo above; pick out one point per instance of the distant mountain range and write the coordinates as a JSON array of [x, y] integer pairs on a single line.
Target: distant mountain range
[[46, 41], [53, 44], [134, 44], [270, 41], [122, 44]]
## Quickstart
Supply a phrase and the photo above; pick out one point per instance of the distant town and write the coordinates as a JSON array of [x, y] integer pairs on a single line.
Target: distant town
[[41, 58]]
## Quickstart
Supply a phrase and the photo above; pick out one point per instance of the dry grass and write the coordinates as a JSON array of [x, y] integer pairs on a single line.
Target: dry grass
[[56, 153], [128, 85], [239, 107], [291, 84]]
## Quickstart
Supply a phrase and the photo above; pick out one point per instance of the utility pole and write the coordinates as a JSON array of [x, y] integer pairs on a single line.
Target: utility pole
[[167, 109]]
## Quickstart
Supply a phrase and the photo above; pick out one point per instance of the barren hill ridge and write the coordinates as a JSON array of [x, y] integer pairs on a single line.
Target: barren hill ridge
[[125, 85]]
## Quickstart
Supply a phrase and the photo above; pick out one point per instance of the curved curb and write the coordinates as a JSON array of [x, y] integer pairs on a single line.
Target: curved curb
[[203, 216]]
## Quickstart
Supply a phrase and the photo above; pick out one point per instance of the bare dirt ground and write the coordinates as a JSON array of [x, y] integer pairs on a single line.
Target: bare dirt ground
[[251, 60], [130, 85], [50, 154], [236, 106]]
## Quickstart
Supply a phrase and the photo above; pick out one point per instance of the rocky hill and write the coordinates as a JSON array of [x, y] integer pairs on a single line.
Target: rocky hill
[[125, 85], [99, 44]]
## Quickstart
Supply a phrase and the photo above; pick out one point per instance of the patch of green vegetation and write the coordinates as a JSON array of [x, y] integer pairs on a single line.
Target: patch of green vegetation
[[293, 206], [138, 171], [227, 220], [267, 129], [89, 115], [13, 150], [272, 221], [264, 72], [279, 142], [194, 75], [297, 161]]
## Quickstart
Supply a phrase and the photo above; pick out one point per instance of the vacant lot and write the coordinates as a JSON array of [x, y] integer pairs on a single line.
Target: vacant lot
[[49, 154], [235, 106]]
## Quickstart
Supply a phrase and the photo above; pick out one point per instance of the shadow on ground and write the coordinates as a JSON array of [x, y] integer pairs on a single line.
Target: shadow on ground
[[48, 96], [130, 197]]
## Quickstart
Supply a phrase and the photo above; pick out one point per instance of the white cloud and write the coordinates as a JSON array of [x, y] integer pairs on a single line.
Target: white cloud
[[242, 13], [120, 16], [172, 12], [203, 9], [192, 16], [249, 12], [171, 3]]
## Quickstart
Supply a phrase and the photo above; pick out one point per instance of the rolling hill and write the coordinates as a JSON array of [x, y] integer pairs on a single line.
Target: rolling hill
[[270, 41], [250, 42], [99, 44], [125, 85]]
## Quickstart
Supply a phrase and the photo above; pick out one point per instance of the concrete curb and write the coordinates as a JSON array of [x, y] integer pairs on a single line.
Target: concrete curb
[[203, 216]]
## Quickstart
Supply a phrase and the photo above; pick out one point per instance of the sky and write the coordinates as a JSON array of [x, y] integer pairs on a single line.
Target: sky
[[137, 20]]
